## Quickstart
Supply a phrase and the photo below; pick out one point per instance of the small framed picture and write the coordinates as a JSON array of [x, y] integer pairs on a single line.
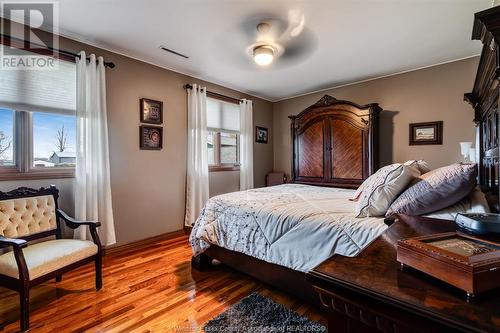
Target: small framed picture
[[151, 137], [430, 133], [151, 111], [261, 134]]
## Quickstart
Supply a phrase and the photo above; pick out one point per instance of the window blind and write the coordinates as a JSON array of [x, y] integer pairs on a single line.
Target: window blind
[[223, 115], [45, 90]]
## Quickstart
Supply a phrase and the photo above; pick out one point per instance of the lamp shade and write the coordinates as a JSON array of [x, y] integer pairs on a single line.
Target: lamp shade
[[472, 155], [465, 147]]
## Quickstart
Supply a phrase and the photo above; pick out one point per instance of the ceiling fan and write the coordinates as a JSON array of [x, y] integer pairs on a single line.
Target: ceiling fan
[[274, 38]]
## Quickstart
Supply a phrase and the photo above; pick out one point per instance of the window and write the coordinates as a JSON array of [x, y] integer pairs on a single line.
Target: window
[[6, 138], [38, 122], [54, 140], [228, 148], [223, 122], [211, 147]]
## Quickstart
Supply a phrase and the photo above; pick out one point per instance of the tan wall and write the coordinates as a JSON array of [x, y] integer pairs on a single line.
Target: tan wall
[[430, 94], [148, 187], [224, 182]]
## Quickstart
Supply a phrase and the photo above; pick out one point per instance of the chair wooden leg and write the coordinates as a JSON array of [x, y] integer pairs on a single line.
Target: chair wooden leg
[[98, 272], [59, 278], [24, 297]]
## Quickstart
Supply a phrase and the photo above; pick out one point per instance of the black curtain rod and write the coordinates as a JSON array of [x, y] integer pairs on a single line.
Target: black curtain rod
[[59, 51], [217, 95], [109, 64]]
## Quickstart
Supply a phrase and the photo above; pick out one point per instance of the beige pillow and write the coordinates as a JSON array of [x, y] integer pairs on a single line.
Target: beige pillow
[[360, 189], [422, 165], [383, 187]]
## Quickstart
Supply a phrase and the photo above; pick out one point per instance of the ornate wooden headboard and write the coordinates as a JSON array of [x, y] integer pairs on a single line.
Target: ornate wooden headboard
[[484, 100], [334, 143]]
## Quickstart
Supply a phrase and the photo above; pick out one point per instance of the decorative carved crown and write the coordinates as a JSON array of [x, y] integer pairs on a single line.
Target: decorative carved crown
[[23, 192], [326, 100]]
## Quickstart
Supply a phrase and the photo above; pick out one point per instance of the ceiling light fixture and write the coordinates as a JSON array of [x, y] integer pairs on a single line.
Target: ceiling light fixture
[[263, 55]]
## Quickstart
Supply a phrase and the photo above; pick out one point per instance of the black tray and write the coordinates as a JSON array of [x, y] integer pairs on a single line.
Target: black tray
[[479, 223]]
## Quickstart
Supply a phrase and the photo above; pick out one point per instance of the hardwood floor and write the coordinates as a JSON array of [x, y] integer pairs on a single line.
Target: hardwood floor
[[149, 289]]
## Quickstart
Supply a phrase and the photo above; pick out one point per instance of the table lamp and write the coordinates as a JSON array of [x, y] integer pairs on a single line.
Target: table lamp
[[465, 149]]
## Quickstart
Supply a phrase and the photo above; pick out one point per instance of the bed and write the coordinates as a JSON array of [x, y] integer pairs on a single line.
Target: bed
[[277, 234], [292, 225]]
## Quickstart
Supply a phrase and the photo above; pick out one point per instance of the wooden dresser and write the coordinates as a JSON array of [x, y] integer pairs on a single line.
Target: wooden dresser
[[335, 143], [484, 99], [370, 293]]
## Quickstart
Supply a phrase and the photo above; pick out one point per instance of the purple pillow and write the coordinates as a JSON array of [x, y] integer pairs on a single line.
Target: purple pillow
[[435, 190]]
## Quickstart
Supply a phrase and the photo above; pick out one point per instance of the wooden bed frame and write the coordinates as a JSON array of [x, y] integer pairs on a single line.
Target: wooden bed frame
[[334, 144], [280, 277]]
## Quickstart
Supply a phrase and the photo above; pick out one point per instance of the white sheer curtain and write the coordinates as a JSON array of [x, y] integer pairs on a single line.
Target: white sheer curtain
[[197, 159], [246, 145], [93, 186]]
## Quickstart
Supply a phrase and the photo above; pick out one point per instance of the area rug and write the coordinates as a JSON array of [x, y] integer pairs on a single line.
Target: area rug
[[259, 314]]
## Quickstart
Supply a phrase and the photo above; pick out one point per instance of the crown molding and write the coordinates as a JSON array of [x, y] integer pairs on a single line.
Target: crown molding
[[375, 78]]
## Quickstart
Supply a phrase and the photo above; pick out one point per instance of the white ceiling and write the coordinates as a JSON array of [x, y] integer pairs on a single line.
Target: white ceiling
[[349, 40]]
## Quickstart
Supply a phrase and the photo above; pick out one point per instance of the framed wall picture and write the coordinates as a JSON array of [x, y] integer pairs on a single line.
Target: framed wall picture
[[261, 134], [151, 137], [430, 133], [151, 111]]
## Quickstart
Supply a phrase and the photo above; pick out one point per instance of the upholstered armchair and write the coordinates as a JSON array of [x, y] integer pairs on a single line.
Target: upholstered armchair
[[28, 214]]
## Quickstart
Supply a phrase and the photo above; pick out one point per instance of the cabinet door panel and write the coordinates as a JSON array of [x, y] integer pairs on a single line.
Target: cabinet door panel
[[347, 150], [310, 151]]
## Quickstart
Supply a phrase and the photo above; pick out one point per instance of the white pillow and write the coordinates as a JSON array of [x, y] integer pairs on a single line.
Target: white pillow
[[422, 165], [360, 189], [383, 187], [475, 202]]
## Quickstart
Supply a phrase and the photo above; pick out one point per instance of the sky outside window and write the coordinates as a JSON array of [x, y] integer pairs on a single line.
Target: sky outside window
[[45, 137]]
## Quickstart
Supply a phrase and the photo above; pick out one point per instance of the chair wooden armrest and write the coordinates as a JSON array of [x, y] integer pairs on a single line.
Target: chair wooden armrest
[[73, 224], [17, 247], [14, 242]]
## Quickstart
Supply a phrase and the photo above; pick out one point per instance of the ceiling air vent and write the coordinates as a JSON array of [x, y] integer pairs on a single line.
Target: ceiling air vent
[[173, 52]]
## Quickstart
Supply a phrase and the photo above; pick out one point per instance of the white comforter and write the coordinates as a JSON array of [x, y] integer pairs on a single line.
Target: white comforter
[[296, 226]]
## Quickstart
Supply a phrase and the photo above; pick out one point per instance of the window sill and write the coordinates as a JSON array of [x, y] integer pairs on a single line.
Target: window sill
[[219, 168], [36, 174]]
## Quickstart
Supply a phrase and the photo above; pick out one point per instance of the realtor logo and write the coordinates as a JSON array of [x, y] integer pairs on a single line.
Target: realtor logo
[[30, 34]]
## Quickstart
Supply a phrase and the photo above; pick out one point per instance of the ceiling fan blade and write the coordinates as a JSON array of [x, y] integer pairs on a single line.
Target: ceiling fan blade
[[290, 36], [296, 24], [298, 49]]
